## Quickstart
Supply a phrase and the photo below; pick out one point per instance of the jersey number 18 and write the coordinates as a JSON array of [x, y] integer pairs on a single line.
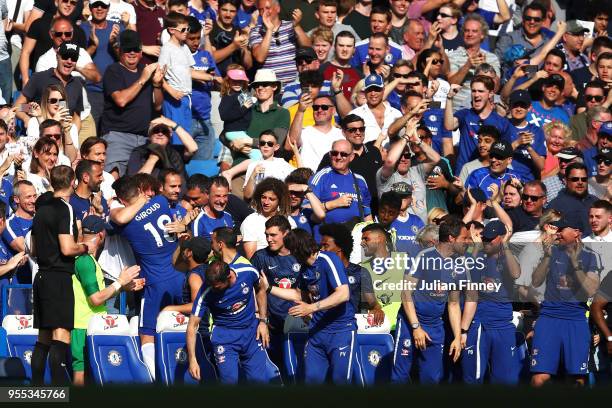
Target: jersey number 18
[[161, 224]]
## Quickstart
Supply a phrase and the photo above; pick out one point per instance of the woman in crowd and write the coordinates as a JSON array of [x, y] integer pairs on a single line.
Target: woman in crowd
[[271, 197], [448, 20], [44, 158], [557, 136], [512, 191], [433, 64], [322, 41]]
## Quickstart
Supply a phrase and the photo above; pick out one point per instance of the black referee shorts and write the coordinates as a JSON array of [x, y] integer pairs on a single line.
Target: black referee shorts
[[53, 301]]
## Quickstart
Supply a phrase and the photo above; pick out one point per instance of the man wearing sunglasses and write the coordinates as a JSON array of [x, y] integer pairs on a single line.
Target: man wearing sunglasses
[[598, 185], [532, 35], [604, 141], [344, 194], [574, 200], [66, 62], [594, 95], [533, 199]]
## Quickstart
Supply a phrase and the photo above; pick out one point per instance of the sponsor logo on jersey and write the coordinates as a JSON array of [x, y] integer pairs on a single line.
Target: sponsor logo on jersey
[[284, 283], [238, 307]]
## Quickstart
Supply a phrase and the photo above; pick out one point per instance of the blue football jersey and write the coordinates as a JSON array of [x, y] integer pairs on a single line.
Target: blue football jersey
[[405, 232], [281, 271], [152, 245], [361, 53], [522, 163], [204, 225], [320, 280], [494, 306], [6, 191], [564, 297], [15, 227], [483, 178], [233, 308], [81, 206], [436, 277]]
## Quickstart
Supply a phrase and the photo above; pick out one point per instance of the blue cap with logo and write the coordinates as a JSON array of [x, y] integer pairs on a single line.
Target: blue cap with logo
[[493, 229], [605, 129], [374, 80], [92, 224]]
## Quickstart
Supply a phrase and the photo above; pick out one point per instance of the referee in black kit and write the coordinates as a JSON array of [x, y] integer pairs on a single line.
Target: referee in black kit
[[54, 244]]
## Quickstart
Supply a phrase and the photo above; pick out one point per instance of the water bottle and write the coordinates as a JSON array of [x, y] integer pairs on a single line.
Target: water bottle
[[259, 177]]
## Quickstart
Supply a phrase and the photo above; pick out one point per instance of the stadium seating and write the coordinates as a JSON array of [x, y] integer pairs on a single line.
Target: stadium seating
[[20, 341], [374, 351], [113, 356], [171, 351]]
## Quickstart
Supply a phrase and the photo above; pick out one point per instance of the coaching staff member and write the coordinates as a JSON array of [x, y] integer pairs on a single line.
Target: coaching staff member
[[54, 243]]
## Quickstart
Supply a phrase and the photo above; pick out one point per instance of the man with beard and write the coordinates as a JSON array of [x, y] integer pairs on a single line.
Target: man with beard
[[546, 110], [530, 144], [304, 217], [213, 214], [488, 334], [282, 270], [468, 121], [171, 182], [562, 333], [497, 173], [574, 200], [87, 198]]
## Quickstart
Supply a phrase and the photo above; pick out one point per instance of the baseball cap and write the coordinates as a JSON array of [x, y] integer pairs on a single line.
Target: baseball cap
[[92, 224], [501, 149], [403, 189], [555, 80], [520, 96], [515, 52], [105, 2], [567, 222], [129, 40], [574, 27], [237, 75], [604, 153], [199, 246], [569, 153], [68, 50], [493, 229], [374, 80], [305, 53], [605, 129]]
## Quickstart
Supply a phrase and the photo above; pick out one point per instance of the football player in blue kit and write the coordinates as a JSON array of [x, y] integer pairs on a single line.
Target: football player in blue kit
[[238, 336], [282, 270], [487, 332], [561, 333], [145, 227], [429, 285], [331, 336]]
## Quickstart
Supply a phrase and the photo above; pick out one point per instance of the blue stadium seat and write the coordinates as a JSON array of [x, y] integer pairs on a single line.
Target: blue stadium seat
[[293, 355], [374, 351], [209, 168], [21, 338], [171, 351], [113, 356]]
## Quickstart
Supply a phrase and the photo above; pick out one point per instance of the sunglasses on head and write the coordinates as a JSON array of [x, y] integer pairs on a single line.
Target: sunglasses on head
[[99, 4], [575, 179], [396, 75], [528, 197], [321, 107], [335, 153], [58, 34], [534, 19], [607, 162], [53, 101], [444, 15], [359, 129], [268, 143], [596, 98]]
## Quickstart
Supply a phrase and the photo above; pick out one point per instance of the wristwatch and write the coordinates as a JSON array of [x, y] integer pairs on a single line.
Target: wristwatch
[[264, 321], [337, 92], [415, 325]]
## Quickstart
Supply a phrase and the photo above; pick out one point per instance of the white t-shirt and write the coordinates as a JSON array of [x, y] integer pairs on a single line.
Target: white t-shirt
[[118, 7], [178, 61], [315, 144], [107, 186], [276, 167], [117, 252], [253, 228], [49, 60], [33, 132], [440, 95], [41, 185], [26, 5], [373, 130]]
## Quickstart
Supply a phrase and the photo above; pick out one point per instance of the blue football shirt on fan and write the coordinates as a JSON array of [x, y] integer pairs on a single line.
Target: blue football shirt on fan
[[522, 163], [204, 225]]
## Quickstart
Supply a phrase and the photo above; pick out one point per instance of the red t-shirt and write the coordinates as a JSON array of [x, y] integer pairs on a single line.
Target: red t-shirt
[[351, 77], [150, 23]]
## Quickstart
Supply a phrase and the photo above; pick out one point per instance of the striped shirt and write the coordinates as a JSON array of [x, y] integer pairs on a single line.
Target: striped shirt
[[281, 54]]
